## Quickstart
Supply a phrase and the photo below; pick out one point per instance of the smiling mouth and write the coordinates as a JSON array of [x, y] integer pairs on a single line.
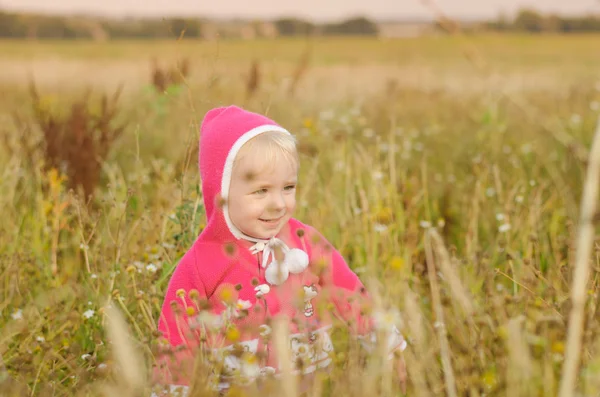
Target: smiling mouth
[[271, 220]]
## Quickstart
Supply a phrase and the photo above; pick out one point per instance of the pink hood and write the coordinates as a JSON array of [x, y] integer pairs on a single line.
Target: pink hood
[[223, 132]]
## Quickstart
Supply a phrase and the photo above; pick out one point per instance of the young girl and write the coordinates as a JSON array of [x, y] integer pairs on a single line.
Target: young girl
[[253, 263]]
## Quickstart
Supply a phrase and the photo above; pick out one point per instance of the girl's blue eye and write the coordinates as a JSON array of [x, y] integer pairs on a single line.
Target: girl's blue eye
[[261, 191], [290, 187]]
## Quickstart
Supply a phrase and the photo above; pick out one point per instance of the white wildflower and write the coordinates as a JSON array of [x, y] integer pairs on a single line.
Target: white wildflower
[[101, 366], [384, 320], [504, 228], [378, 175], [207, 319], [361, 269], [93, 276], [88, 314], [379, 228], [86, 356], [557, 357], [490, 192], [250, 369], [500, 216], [264, 330], [243, 305], [532, 183], [425, 224], [168, 246], [17, 315], [519, 199], [84, 246], [40, 339], [262, 290], [151, 268], [266, 371]]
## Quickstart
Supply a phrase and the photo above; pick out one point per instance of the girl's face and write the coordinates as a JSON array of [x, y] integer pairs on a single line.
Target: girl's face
[[262, 196]]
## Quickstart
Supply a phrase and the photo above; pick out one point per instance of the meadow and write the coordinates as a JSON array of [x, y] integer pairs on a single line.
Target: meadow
[[448, 170]]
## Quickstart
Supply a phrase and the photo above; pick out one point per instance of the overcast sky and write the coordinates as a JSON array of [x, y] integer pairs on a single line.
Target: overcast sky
[[313, 9]]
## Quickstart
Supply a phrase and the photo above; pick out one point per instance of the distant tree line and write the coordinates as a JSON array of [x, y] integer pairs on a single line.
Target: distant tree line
[[19, 25], [528, 20], [355, 26]]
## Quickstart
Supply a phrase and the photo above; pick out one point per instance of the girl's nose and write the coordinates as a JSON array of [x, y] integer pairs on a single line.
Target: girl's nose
[[278, 203]]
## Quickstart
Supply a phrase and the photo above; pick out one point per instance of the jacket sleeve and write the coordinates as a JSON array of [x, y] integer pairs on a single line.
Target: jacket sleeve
[[351, 301]]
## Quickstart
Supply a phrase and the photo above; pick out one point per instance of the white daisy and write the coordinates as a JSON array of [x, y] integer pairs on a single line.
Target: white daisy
[[504, 228], [17, 315], [151, 268]]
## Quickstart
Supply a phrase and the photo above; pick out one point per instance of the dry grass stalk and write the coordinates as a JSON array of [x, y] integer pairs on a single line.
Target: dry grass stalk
[[3, 372], [301, 69], [585, 241], [520, 367], [414, 361], [472, 238], [253, 81], [162, 78], [456, 287], [440, 324], [130, 374], [289, 383]]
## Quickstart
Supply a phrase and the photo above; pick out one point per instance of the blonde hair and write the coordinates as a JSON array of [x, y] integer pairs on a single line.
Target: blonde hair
[[272, 146]]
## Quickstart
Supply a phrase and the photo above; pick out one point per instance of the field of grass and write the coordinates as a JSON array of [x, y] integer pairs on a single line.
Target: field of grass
[[463, 153]]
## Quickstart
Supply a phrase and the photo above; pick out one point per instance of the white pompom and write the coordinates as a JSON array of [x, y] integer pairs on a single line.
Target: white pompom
[[296, 260], [276, 274]]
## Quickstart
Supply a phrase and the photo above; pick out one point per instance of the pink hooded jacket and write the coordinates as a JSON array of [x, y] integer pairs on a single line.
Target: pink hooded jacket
[[226, 281]]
